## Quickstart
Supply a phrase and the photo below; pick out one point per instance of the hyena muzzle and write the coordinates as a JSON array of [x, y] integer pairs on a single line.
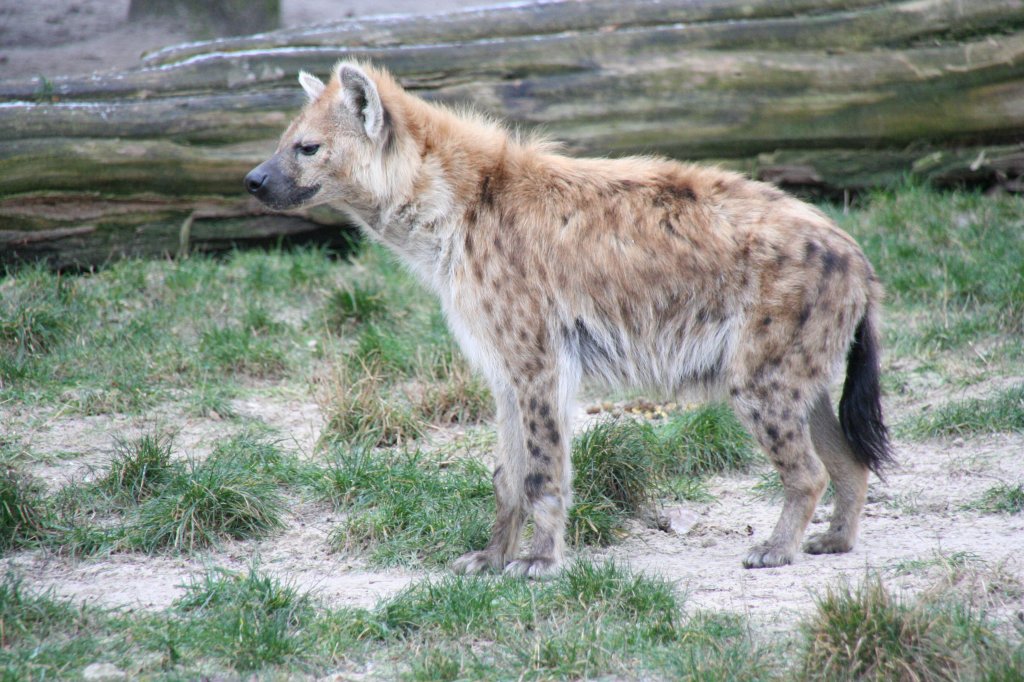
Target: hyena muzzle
[[636, 272]]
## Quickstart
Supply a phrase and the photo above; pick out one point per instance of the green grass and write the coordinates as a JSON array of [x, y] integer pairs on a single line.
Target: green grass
[[958, 255], [220, 497], [706, 440], [1002, 412], [1004, 498], [617, 472], [865, 633], [139, 467], [149, 502], [623, 466], [249, 620], [22, 510], [409, 507], [592, 620]]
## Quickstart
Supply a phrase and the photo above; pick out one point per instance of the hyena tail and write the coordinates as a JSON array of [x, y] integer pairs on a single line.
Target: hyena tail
[[860, 407]]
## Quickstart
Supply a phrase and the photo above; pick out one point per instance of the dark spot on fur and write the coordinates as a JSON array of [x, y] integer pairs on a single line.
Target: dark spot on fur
[[671, 192], [789, 435], [771, 431], [565, 220], [734, 391], [545, 410], [554, 437], [534, 449], [488, 307], [533, 484], [468, 245], [666, 224], [795, 394], [755, 415], [831, 262], [486, 195], [533, 404], [388, 129], [533, 426], [805, 314], [767, 321], [787, 413], [810, 249]]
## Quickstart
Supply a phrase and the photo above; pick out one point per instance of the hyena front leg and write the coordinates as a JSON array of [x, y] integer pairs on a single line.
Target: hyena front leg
[[508, 491], [547, 477], [780, 427]]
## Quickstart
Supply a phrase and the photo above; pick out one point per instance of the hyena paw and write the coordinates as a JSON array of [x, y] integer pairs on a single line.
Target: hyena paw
[[766, 555], [478, 562], [536, 567], [828, 542]]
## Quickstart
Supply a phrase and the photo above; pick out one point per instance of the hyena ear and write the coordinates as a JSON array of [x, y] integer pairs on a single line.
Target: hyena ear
[[313, 86], [360, 97]]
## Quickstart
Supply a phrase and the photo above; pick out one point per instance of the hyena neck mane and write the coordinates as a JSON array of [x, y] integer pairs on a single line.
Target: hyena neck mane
[[439, 165]]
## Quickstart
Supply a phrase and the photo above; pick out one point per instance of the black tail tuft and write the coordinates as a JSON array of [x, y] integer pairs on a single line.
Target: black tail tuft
[[860, 408]]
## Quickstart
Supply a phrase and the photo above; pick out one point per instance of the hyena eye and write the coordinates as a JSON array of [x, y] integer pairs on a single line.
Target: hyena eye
[[308, 149]]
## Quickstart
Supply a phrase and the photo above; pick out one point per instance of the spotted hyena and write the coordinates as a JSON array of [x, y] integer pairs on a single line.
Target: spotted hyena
[[640, 272]]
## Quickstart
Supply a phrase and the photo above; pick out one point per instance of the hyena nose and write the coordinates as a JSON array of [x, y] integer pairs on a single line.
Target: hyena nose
[[255, 181]]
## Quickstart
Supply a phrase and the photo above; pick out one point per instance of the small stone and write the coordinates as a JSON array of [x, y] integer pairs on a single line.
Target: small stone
[[103, 672], [593, 409], [607, 406], [678, 520]]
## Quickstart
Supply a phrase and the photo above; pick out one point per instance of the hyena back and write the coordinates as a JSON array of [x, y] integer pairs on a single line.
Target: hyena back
[[639, 272]]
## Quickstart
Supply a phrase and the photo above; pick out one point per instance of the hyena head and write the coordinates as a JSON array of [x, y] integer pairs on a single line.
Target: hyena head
[[333, 151]]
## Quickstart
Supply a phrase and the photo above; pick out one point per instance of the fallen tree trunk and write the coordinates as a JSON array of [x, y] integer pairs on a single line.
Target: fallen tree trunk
[[825, 95]]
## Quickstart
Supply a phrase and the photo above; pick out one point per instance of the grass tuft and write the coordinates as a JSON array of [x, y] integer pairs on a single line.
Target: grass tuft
[[1005, 498], [251, 619], [409, 507], [865, 633], [220, 497], [707, 440], [360, 406], [22, 510], [1001, 412], [139, 468], [355, 303], [455, 396], [614, 477]]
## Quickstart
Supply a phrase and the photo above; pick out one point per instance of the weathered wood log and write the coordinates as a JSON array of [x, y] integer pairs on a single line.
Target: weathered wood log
[[828, 95]]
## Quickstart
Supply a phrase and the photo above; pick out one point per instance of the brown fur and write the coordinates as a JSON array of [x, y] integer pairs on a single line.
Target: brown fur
[[639, 271]]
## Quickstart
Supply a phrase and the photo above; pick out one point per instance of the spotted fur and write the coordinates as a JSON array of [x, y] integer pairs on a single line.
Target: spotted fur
[[639, 272]]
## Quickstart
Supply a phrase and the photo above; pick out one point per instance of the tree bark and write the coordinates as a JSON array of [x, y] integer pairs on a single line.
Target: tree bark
[[821, 95], [213, 17]]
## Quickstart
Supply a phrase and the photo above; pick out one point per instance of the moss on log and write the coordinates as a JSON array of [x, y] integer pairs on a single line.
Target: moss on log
[[825, 95]]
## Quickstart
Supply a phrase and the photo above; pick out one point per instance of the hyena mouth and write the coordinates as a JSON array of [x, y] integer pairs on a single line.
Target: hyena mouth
[[290, 199], [276, 189]]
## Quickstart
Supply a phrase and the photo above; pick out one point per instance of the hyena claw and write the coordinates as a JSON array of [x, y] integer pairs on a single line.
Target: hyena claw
[[766, 555], [482, 561], [829, 542], [538, 568]]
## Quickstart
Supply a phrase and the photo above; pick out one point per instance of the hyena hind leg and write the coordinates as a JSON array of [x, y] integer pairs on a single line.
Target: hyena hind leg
[[849, 481], [783, 433]]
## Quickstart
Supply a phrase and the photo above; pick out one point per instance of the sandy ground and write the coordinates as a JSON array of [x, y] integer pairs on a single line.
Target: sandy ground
[[78, 37], [917, 514], [920, 512]]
